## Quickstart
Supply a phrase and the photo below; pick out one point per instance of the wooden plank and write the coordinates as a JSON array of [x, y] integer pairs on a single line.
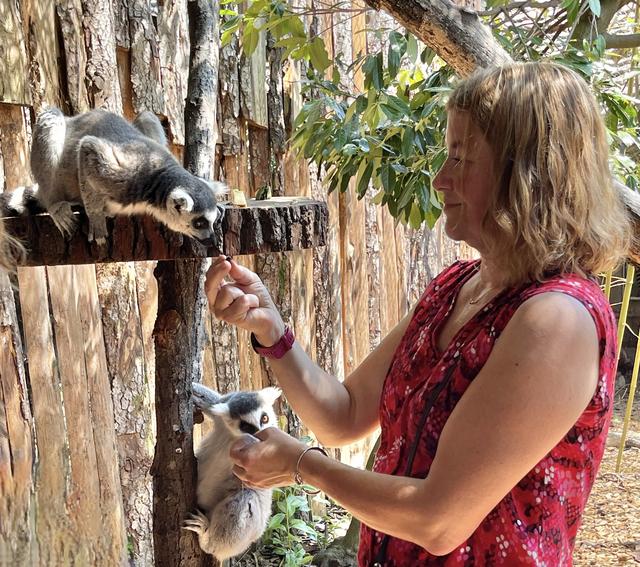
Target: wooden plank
[[39, 22], [83, 494], [113, 533], [75, 55], [173, 38], [354, 260], [17, 540], [57, 542], [146, 76], [14, 65], [120, 310], [264, 226], [100, 74], [259, 156], [132, 403], [13, 145], [326, 262], [253, 98]]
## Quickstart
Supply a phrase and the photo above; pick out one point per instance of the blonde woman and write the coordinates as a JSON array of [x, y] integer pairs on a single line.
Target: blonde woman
[[494, 395]]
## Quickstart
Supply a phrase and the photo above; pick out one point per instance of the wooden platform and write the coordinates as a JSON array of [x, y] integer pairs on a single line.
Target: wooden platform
[[274, 225]]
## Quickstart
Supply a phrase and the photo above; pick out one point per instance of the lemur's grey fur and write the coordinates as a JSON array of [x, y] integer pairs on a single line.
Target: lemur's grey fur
[[231, 516], [112, 167]]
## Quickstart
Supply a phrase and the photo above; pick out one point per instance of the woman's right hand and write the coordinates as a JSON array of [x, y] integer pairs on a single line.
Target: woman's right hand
[[244, 302]]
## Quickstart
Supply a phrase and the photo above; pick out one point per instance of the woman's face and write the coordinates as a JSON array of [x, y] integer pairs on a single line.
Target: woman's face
[[465, 180]]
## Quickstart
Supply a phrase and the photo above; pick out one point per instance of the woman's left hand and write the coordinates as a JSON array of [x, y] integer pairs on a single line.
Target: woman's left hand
[[268, 463]]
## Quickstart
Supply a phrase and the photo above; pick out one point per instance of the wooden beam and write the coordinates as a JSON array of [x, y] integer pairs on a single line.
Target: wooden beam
[[273, 225]]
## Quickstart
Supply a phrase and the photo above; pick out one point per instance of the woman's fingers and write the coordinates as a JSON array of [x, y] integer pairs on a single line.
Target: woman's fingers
[[220, 268], [225, 296]]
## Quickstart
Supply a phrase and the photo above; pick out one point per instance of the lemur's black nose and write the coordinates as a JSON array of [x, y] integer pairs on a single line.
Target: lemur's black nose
[[209, 241]]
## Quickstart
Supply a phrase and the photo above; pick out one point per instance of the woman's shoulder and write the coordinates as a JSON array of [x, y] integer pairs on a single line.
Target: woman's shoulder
[[566, 293]]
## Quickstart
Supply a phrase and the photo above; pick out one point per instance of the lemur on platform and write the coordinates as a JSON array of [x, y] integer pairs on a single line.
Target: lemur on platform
[[230, 516], [112, 167]]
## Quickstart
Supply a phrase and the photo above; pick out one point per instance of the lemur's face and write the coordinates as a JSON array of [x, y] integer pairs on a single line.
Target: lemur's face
[[193, 209], [241, 412]]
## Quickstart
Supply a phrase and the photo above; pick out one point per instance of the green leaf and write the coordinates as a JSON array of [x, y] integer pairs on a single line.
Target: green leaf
[[250, 37], [318, 55], [275, 521], [415, 217], [397, 49], [388, 177], [412, 47], [364, 176], [594, 6], [408, 137]]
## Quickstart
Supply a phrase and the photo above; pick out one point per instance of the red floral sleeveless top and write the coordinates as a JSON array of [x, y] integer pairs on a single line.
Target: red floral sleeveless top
[[536, 523]]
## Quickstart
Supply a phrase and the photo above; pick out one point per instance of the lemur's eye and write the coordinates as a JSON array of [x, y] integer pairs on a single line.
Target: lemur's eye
[[200, 223], [264, 418], [247, 427]]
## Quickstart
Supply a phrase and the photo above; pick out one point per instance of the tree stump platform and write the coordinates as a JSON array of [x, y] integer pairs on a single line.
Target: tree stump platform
[[277, 224]]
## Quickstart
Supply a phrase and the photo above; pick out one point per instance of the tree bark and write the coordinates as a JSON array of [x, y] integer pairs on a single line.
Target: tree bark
[[455, 34], [275, 225]]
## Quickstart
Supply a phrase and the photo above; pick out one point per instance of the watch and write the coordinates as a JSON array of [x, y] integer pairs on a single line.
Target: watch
[[278, 350]]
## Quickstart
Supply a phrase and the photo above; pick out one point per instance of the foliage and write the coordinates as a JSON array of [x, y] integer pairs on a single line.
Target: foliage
[[390, 136], [286, 528]]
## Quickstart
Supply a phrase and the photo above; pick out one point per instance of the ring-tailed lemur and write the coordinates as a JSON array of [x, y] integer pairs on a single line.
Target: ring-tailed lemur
[[112, 167], [231, 516]]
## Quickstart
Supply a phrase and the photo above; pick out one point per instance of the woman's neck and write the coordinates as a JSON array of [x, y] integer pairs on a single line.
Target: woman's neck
[[490, 273]]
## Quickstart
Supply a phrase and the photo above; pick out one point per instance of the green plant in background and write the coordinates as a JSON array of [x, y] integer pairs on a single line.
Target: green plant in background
[[387, 141], [287, 529]]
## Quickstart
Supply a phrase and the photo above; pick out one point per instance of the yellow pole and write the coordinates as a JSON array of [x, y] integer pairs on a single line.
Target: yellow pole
[[624, 308], [607, 284], [627, 414]]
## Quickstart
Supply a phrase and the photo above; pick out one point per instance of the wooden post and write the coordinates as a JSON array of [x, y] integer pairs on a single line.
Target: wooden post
[[179, 333]]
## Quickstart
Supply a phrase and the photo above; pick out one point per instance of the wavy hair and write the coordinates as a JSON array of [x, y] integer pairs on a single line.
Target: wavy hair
[[555, 208]]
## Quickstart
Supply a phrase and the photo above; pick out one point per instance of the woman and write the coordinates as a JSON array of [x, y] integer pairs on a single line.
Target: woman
[[505, 459]]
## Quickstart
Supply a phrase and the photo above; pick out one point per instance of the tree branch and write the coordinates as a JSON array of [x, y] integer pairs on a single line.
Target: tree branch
[[455, 34], [626, 41]]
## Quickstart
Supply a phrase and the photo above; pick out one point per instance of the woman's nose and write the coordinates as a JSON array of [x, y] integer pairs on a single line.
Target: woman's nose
[[441, 182]]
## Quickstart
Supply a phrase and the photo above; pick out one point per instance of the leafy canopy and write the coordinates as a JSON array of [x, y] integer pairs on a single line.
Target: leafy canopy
[[386, 139]]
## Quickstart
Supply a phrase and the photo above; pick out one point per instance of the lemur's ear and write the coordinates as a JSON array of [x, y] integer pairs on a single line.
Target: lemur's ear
[[270, 394], [217, 187], [180, 200]]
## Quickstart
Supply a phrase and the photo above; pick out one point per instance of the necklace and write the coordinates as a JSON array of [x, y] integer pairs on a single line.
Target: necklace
[[475, 300]]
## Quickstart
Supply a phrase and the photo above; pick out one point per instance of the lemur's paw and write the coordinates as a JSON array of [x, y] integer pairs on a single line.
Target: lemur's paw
[[98, 232], [197, 523], [62, 216]]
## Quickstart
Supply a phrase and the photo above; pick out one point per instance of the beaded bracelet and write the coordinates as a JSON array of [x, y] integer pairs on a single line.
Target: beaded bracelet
[[297, 478]]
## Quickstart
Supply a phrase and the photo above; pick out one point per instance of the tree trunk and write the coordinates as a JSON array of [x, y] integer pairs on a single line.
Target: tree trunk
[[179, 333]]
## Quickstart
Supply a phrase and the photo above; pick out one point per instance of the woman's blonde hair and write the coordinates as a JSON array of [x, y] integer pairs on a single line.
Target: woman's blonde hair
[[555, 208]]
